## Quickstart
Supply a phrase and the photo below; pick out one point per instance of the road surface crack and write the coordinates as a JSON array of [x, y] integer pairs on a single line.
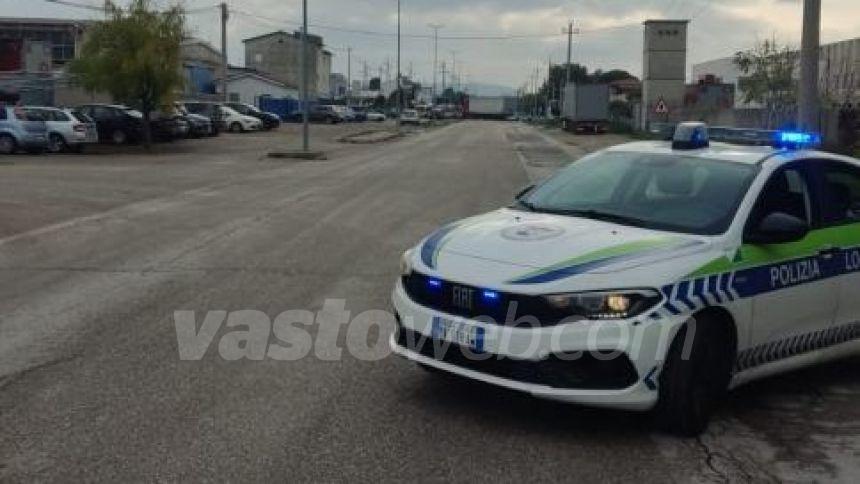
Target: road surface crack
[[710, 459], [7, 380]]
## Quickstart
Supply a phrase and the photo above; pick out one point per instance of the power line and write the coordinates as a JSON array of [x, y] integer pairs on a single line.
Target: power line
[[96, 8], [431, 36]]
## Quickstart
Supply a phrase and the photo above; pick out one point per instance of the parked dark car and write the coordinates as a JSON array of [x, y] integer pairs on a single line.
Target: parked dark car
[[359, 114], [211, 110], [169, 126], [319, 114], [116, 124], [269, 120]]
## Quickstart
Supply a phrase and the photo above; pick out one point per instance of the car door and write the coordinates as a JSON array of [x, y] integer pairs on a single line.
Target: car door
[[840, 201], [793, 296]]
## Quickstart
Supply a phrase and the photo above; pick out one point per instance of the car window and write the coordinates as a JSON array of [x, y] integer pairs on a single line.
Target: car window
[[2, 113], [840, 195], [59, 116], [662, 192], [787, 192]]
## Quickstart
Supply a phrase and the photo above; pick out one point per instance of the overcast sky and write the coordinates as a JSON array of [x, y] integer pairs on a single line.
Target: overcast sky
[[610, 37]]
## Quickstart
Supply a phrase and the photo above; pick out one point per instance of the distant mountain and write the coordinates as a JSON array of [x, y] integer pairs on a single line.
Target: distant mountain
[[482, 89]]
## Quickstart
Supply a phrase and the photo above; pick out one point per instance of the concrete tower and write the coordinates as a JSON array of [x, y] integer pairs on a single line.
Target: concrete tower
[[664, 71]]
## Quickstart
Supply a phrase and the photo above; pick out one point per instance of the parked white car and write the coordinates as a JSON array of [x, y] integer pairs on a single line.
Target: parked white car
[[66, 131], [238, 123], [374, 116], [410, 116]]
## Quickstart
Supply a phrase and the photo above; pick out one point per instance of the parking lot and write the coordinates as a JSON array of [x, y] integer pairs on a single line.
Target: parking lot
[[99, 251]]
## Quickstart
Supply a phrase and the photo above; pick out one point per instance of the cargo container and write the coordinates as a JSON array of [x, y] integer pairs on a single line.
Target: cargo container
[[586, 108], [491, 107]]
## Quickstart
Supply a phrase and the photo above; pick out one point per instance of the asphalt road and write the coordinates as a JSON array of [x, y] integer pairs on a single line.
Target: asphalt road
[[92, 386]]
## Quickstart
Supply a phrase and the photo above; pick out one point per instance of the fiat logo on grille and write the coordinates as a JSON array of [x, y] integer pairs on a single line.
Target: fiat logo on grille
[[462, 297]]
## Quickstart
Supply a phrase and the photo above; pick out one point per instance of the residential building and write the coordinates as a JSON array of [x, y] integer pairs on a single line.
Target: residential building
[[34, 58], [625, 90], [278, 55]]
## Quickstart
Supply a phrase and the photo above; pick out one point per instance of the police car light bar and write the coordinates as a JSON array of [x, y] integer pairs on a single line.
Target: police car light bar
[[797, 140], [690, 136], [787, 140]]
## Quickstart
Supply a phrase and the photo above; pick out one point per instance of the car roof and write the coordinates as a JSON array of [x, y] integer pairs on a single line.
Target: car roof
[[744, 154]]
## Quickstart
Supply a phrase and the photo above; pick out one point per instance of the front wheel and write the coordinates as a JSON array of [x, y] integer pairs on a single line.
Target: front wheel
[[695, 377], [235, 128]]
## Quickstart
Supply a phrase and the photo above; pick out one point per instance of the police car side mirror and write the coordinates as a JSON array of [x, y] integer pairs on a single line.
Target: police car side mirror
[[524, 192], [778, 228]]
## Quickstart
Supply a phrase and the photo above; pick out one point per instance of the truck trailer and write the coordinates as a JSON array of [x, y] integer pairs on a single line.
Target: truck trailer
[[586, 108], [491, 107]]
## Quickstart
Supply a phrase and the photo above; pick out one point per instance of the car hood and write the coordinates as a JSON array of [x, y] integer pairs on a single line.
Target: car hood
[[542, 248]]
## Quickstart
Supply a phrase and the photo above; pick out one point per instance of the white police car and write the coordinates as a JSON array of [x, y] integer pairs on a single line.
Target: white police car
[[648, 276]]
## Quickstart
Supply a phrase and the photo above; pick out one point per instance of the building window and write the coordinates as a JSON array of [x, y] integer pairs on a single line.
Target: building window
[[234, 97]]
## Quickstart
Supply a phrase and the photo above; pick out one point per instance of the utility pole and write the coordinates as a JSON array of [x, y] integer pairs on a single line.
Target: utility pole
[[569, 54], [305, 71], [349, 76], [454, 69], [225, 15], [808, 112], [364, 76], [444, 71], [399, 85], [435, 28]]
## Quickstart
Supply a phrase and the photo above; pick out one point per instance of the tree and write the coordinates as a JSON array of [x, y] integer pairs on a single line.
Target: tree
[[768, 79], [134, 56], [375, 84]]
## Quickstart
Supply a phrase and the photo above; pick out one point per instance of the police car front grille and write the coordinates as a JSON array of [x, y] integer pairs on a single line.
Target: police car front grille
[[507, 309], [588, 371]]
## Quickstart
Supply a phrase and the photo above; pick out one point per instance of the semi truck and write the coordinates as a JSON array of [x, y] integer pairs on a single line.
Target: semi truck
[[586, 108], [491, 107]]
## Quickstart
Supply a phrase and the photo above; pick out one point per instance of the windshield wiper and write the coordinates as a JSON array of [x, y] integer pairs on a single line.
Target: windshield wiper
[[527, 205], [598, 215]]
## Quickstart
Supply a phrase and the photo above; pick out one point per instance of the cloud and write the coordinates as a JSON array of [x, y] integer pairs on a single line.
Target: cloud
[[611, 29]]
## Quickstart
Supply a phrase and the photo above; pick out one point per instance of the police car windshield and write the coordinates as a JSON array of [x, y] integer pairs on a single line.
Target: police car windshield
[[661, 192]]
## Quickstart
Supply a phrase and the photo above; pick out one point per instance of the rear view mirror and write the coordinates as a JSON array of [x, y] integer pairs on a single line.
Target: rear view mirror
[[778, 228]]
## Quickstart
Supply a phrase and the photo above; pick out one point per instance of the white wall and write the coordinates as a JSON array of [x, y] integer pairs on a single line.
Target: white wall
[[250, 89]]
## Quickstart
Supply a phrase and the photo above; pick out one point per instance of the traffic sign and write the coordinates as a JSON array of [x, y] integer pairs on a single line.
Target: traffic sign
[[661, 107]]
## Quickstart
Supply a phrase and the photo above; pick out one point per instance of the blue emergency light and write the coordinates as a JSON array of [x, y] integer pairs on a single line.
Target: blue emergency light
[[796, 140]]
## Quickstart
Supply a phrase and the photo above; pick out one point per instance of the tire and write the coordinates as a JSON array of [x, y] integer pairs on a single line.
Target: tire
[[235, 128], [56, 143], [119, 137], [692, 388], [8, 145]]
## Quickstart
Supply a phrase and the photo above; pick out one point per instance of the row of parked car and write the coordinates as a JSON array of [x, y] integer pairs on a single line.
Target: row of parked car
[[37, 129], [334, 114]]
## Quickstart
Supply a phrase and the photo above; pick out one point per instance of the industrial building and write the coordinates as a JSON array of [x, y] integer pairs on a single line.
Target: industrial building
[[278, 55], [839, 73]]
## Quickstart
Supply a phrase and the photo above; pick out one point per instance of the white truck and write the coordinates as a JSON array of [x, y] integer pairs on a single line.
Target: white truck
[[586, 108], [491, 107]]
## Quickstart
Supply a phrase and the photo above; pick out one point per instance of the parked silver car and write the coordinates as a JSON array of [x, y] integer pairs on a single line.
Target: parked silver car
[[19, 131], [67, 131]]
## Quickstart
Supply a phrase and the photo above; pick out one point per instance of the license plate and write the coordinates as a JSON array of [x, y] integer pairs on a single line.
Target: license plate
[[458, 333]]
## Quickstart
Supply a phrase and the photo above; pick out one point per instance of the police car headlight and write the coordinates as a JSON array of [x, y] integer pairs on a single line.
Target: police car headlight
[[605, 304], [406, 263]]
